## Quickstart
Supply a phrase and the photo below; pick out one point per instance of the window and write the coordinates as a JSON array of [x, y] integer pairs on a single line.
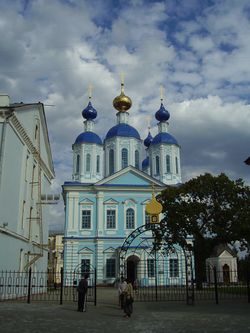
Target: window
[[130, 219], [151, 268], [111, 162], [77, 163], [147, 219], [176, 165], [36, 131], [173, 268], [137, 164], [26, 167], [85, 266], [23, 211], [110, 268], [88, 162], [86, 219], [97, 164], [111, 216], [168, 164], [124, 158], [33, 180], [157, 165]]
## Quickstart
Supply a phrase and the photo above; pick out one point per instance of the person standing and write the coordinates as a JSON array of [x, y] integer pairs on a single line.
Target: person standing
[[82, 293], [129, 299], [121, 291]]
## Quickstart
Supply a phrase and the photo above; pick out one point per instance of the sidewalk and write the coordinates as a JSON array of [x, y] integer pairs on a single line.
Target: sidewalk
[[106, 317]]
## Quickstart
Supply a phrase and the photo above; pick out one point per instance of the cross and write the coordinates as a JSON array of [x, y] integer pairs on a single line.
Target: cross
[[90, 89], [161, 92], [148, 121], [122, 76]]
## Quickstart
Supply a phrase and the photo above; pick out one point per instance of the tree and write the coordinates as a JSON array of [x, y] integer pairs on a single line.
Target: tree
[[212, 210]]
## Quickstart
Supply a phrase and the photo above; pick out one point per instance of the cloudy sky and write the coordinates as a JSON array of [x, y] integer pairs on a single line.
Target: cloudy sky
[[199, 50]]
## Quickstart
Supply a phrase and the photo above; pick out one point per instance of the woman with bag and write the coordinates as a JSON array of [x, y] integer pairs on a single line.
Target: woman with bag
[[129, 299]]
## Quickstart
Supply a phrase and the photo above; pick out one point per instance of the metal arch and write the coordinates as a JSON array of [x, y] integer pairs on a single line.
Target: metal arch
[[126, 244], [159, 242]]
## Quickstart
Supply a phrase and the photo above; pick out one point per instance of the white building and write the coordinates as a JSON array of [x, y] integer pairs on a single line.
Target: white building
[[26, 171], [224, 260]]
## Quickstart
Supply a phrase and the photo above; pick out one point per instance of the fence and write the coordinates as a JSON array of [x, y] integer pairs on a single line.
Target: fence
[[215, 286], [38, 286]]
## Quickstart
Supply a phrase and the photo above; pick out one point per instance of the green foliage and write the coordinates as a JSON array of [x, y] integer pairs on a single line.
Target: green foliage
[[212, 208]]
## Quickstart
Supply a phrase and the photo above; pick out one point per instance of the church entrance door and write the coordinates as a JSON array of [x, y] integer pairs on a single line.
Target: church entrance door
[[132, 263]]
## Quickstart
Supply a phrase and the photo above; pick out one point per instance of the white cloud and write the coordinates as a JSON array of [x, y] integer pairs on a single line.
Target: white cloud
[[55, 49]]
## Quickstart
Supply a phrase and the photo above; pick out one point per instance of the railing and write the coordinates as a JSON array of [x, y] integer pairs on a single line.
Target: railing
[[41, 286], [216, 286]]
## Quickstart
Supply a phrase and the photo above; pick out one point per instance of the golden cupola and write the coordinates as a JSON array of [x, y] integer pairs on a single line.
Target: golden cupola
[[154, 207], [122, 103]]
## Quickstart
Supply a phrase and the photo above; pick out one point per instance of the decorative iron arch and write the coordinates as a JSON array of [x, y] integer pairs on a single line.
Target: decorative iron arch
[[156, 245]]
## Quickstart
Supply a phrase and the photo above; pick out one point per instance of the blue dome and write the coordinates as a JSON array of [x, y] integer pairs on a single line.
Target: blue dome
[[162, 114], [89, 112], [88, 137], [123, 130], [164, 138], [148, 140], [145, 163]]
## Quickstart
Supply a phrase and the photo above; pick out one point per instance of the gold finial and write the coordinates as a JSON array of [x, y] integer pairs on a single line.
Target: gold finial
[[161, 92], [153, 207], [90, 89], [122, 103]]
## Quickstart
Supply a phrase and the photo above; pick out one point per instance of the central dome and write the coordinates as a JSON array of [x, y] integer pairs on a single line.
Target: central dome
[[124, 130]]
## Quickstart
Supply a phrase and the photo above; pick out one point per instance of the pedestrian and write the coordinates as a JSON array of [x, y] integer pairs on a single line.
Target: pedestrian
[[82, 293], [121, 291], [129, 299]]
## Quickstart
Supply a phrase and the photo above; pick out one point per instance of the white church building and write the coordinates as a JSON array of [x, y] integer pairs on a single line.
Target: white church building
[[26, 171], [111, 184]]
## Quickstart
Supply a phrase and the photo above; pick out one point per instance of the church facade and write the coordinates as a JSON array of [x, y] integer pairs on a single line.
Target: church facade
[[111, 184]]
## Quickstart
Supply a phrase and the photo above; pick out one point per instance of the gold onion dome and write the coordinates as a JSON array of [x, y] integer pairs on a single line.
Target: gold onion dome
[[122, 103], [154, 207]]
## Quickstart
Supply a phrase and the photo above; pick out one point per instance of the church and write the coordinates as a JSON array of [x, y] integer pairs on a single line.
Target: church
[[111, 184]]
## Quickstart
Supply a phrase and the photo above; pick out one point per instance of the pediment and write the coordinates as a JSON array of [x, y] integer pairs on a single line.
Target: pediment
[[109, 250], [130, 201], [145, 201], [111, 201], [86, 250], [130, 176], [86, 201]]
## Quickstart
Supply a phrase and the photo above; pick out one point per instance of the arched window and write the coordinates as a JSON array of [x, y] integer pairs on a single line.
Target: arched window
[[77, 163], [124, 158], [130, 219], [168, 169], [147, 220], [137, 159], [98, 164], [88, 162], [111, 162], [176, 165], [157, 165]]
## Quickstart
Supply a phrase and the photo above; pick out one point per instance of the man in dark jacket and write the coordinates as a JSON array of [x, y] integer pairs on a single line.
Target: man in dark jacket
[[82, 292]]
